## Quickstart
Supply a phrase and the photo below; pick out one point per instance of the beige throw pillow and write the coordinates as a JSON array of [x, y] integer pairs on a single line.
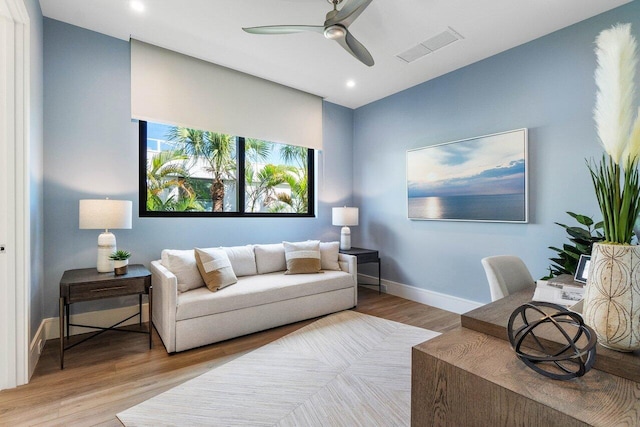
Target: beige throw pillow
[[215, 268], [302, 257], [182, 263], [243, 260], [270, 258]]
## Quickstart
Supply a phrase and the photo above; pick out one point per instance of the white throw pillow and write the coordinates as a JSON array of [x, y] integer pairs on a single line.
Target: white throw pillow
[[182, 263], [329, 252], [215, 268], [242, 259], [270, 258]]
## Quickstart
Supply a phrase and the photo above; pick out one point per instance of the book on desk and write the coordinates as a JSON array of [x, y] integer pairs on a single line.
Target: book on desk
[[562, 290]]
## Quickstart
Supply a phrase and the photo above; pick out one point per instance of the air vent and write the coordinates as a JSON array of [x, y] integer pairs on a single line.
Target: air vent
[[432, 44], [441, 40], [413, 53]]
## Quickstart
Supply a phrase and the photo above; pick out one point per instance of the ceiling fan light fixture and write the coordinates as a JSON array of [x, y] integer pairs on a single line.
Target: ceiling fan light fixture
[[137, 6], [335, 32]]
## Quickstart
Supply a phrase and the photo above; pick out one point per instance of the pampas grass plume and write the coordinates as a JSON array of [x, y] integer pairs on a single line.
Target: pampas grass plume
[[613, 114], [633, 148]]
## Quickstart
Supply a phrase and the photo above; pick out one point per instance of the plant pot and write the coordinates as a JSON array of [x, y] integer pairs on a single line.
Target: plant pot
[[612, 297], [120, 267]]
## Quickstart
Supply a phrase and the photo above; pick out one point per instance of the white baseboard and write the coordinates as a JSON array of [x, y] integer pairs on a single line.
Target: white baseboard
[[423, 296], [35, 348], [102, 318]]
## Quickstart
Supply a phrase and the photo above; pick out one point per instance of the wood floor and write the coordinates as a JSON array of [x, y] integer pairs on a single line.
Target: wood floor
[[115, 371]]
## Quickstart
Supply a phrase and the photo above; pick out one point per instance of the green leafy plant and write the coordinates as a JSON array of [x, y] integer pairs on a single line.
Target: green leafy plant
[[582, 239], [120, 255]]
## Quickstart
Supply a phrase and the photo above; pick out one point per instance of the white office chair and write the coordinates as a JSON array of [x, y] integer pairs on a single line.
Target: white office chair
[[506, 274]]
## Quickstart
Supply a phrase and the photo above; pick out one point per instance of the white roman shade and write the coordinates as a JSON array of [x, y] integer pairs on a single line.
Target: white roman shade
[[172, 88]]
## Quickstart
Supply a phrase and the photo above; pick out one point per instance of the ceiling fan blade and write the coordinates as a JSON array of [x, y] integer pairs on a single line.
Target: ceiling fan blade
[[349, 13], [284, 29], [355, 48]]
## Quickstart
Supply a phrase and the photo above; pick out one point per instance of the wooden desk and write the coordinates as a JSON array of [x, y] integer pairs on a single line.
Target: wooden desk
[[87, 285], [473, 378], [492, 319]]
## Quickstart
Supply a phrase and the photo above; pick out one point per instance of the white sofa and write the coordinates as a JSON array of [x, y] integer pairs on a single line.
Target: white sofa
[[187, 314]]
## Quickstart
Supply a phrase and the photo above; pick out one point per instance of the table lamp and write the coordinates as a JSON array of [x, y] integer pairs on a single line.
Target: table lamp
[[105, 214], [344, 217]]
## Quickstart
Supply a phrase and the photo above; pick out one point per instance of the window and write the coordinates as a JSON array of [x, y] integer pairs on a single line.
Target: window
[[191, 172]]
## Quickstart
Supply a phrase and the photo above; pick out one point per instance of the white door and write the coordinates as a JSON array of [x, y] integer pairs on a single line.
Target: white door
[[14, 241]]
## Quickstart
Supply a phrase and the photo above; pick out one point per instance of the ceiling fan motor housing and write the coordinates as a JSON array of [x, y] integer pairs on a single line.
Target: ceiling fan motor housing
[[334, 32]]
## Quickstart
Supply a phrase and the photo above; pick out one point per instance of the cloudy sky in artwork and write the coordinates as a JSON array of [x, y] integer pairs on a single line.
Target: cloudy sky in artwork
[[488, 165]]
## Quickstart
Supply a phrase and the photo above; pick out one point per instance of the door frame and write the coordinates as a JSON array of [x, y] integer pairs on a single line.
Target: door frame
[[14, 182]]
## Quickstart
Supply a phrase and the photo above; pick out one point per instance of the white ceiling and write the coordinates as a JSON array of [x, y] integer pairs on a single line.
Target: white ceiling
[[212, 30]]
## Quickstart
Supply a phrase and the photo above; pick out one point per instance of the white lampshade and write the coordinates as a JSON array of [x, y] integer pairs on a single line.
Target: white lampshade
[[344, 216], [103, 214]]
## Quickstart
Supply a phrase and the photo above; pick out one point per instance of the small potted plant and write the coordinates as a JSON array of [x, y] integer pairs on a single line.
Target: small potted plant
[[120, 262]]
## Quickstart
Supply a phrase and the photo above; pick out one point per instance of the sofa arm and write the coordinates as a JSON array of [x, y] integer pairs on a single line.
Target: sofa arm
[[165, 304], [349, 263]]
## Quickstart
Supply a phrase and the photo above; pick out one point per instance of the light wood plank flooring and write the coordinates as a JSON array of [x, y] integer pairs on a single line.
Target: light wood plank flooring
[[115, 371]]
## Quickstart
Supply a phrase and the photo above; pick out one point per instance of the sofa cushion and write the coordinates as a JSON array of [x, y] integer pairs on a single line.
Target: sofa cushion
[[243, 260], [215, 268], [329, 252], [260, 289], [182, 263], [302, 257], [270, 258]]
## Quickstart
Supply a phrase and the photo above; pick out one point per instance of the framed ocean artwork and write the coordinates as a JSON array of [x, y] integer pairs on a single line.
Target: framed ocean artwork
[[476, 179]]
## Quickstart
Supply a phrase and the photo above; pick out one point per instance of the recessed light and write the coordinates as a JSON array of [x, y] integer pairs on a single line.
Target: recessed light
[[351, 83], [138, 6]]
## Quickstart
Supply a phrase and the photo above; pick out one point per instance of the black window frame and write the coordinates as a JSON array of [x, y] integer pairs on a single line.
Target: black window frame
[[240, 191]]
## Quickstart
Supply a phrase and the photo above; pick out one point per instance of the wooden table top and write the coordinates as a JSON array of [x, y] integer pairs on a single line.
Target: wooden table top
[[91, 275], [492, 319]]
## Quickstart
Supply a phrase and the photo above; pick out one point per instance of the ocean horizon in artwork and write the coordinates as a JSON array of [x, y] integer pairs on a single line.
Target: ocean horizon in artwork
[[499, 207], [479, 179]]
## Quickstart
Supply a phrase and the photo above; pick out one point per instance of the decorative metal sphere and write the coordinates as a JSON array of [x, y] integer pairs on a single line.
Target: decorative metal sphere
[[557, 360]]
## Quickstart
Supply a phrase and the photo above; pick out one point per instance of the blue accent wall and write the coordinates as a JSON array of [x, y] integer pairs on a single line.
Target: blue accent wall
[[546, 86], [36, 223], [91, 151]]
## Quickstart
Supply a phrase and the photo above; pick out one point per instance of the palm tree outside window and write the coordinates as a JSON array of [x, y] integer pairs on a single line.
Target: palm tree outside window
[[191, 172]]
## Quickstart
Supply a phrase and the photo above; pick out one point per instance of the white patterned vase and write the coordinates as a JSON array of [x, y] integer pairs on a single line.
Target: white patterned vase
[[612, 297]]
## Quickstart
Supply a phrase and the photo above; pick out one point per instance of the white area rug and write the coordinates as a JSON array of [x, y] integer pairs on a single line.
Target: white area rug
[[347, 369]]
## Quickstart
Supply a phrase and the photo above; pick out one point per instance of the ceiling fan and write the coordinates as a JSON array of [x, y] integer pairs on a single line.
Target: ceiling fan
[[335, 27]]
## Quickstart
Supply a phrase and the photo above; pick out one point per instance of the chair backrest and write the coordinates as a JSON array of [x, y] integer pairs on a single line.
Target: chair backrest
[[506, 274]]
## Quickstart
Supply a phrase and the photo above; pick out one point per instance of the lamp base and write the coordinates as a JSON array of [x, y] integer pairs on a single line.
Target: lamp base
[[106, 246], [345, 239]]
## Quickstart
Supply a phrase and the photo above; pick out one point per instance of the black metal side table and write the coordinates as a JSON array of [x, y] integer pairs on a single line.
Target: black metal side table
[[365, 256], [87, 285]]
